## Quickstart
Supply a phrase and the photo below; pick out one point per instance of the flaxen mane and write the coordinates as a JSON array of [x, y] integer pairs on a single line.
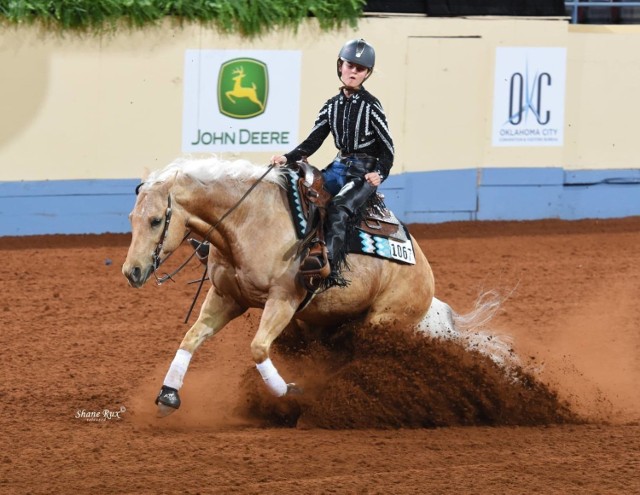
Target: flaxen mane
[[211, 169]]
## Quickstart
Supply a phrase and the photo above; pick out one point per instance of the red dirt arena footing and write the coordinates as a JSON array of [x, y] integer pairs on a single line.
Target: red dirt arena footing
[[84, 356]]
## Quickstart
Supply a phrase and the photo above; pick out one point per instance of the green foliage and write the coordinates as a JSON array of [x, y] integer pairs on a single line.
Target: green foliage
[[244, 17]]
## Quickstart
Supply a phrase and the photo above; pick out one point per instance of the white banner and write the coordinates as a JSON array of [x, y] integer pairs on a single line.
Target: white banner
[[529, 96], [240, 100]]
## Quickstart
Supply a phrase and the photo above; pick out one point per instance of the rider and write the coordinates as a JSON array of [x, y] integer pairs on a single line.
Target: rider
[[358, 124]]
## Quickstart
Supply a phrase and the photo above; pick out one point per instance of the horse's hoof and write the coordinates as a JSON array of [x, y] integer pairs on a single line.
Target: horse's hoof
[[168, 401], [164, 411], [293, 389]]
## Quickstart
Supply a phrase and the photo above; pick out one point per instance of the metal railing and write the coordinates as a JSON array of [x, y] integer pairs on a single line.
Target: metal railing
[[574, 5]]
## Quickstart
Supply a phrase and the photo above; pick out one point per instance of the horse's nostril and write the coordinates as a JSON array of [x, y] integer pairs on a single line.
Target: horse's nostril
[[136, 274]]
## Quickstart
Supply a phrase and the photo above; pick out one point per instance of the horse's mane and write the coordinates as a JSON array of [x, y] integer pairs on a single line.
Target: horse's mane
[[212, 169]]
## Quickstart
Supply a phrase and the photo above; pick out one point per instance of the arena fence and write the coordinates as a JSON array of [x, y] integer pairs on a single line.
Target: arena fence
[[603, 12], [101, 206]]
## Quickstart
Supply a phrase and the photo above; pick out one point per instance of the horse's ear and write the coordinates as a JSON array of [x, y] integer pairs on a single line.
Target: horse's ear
[[145, 173]]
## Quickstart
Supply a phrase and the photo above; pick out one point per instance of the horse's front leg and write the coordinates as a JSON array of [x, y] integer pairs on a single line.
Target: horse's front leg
[[278, 312], [216, 312]]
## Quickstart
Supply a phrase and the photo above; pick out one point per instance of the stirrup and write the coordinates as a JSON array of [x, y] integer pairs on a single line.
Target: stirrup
[[316, 263]]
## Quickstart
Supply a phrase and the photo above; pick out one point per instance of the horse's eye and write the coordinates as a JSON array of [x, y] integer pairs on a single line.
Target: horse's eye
[[155, 222]]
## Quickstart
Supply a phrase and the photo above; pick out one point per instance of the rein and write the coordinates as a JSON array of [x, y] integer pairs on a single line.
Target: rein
[[157, 262], [244, 196]]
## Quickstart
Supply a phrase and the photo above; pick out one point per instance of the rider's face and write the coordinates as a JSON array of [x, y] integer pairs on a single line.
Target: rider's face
[[353, 75]]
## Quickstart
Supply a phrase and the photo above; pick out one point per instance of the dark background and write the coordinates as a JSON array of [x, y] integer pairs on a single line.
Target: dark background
[[469, 7]]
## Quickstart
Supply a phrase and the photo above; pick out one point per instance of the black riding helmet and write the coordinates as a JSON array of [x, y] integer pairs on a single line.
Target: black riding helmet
[[357, 52]]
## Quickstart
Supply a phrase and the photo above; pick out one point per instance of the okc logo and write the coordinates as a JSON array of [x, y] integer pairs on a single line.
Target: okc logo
[[525, 94], [243, 86]]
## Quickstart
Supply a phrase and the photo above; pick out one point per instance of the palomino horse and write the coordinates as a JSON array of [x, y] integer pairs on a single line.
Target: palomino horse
[[253, 262]]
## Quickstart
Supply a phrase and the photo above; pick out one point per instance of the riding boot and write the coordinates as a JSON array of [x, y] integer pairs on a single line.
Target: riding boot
[[338, 219], [341, 212]]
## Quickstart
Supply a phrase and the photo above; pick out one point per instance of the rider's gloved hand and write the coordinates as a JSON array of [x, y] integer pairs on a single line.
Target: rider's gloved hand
[[279, 160]]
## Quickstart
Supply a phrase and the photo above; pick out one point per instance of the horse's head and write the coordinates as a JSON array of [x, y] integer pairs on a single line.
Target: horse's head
[[158, 227]]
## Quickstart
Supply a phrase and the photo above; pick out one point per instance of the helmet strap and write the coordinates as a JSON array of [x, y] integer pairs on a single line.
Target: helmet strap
[[350, 91], [340, 62]]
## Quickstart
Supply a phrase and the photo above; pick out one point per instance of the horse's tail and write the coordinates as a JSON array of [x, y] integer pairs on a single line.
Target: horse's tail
[[484, 309], [471, 329]]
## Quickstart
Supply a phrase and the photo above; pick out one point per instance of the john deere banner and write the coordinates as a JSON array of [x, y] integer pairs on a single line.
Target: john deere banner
[[236, 100], [529, 96]]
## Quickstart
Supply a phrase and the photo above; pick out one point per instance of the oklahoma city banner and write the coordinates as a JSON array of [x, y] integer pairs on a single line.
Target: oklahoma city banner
[[240, 100], [529, 96]]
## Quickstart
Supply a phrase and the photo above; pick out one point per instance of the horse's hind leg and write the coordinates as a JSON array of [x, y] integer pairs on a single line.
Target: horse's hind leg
[[215, 313], [406, 298]]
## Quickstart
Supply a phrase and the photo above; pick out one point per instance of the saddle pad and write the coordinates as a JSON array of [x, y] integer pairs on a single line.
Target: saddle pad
[[391, 242], [395, 249], [295, 202]]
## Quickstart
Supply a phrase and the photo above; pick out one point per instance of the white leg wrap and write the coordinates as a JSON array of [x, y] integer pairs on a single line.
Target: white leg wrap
[[177, 370], [272, 378]]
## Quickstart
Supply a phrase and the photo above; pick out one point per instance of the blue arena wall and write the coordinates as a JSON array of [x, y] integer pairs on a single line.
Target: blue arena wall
[[66, 207], [513, 194], [102, 206]]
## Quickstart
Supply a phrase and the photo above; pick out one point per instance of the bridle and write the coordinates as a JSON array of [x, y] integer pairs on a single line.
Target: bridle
[[163, 236], [157, 262]]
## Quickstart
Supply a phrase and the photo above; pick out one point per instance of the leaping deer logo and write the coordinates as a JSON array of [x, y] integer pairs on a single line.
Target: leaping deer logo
[[240, 91], [243, 88]]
